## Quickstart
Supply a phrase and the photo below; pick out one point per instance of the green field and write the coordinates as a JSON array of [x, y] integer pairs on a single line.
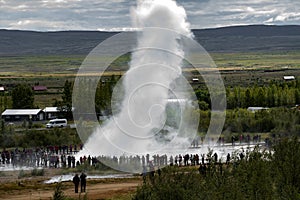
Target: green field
[[237, 69]]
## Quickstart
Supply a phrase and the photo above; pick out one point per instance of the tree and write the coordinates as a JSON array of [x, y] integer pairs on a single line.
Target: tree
[[248, 99], [66, 105], [297, 96], [286, 168], [260, 97], [22, 96]]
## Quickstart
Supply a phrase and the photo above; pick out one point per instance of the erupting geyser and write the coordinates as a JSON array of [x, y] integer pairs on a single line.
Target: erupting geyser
[[143, 120]]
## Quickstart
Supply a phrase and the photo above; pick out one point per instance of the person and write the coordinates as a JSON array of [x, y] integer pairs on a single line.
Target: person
[[228, 158], [152, 171], [76, 181], [216, 157], [144, 174], [159, 171], [82, 182]]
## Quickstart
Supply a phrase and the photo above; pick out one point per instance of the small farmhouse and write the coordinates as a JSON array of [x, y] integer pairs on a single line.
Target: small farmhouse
[[39, 88], [288, 78], [22, 114], [195, 80], [254, 109], [51, 112]]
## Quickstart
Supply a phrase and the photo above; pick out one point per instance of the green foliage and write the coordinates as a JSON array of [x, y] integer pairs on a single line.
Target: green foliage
[[275, 94], [172, 184], [2, 126], [272, 95], [104, 94], [37, 125], [260, 175], [65, 106], [286, 167], [37, 138], [4, 102], [58, 192], [21, 174], [37, 172], [22, 97], [7, 140], [264, 121]]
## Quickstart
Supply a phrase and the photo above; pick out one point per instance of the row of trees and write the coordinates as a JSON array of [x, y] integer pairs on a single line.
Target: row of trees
[[260, 175], [4, 102], [241, 120], [39, 138], [273, 95]]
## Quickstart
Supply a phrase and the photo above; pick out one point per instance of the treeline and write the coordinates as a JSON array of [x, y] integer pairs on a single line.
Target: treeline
[[37, 138], [259, 175], [5, 102], [276, 120], [275, 94], [103, 95]]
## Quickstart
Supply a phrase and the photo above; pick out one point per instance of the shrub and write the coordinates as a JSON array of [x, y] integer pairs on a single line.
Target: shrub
[[59, 193], [37, 172], [260, 175]]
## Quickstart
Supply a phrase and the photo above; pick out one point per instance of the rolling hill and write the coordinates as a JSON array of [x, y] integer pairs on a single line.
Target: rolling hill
[[227, 39]]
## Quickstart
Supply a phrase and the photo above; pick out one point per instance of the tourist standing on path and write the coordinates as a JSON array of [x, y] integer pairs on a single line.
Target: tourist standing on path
[[76, 181], [82, 182]]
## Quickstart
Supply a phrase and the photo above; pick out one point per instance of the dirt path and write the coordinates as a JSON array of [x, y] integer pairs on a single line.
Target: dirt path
[[94, 191]]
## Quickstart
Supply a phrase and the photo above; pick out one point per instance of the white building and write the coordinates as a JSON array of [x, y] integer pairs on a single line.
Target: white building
[[22, 114], [51, 112], [289, 78], [254, 109]]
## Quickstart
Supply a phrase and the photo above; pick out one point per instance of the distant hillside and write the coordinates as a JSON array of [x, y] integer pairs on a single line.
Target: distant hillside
[[227, 39], [250, 38]]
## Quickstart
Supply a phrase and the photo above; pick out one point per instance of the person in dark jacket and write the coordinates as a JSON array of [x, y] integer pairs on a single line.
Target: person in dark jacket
[[82, 182], [76, 181]]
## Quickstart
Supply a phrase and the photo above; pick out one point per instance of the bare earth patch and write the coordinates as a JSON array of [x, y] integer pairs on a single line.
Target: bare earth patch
[[34, 188]]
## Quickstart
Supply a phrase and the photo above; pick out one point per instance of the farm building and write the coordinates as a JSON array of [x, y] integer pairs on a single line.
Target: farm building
[[51, 112], [38, 88], [195, 80], [2, 89], [22, 114], [288, 78], [254, 109]]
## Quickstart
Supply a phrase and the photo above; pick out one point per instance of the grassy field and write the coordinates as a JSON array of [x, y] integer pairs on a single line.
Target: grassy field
[[241, 69], [41, 66]]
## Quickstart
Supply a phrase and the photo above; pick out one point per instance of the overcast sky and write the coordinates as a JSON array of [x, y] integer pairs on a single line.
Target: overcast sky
[[51, 15]]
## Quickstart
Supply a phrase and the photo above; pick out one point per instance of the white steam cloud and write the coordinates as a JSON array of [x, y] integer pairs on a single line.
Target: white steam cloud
[[140, 125]]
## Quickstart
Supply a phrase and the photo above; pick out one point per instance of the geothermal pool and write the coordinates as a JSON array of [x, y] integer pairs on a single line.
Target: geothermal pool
[[69, 177]]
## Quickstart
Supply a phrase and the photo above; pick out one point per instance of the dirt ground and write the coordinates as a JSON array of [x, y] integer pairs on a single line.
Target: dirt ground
[[12, 188], [95, 191]]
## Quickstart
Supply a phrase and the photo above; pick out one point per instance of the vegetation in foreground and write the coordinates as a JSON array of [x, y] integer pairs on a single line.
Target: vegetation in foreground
[[260, 175]]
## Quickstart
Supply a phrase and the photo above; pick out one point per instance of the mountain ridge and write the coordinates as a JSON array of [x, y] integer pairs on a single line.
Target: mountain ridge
[[225, 39]]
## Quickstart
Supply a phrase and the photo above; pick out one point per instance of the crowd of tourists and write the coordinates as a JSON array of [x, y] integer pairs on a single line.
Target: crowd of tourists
[[64, 156], [50, 156]]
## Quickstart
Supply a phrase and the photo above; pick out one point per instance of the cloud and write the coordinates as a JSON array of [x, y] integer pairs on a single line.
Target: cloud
[[115, 14], [285, 17]]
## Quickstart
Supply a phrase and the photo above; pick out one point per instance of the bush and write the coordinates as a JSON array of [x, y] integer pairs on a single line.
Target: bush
[[260, 175], [59, 193], [37, 172], [21, 174], [37, 125]]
